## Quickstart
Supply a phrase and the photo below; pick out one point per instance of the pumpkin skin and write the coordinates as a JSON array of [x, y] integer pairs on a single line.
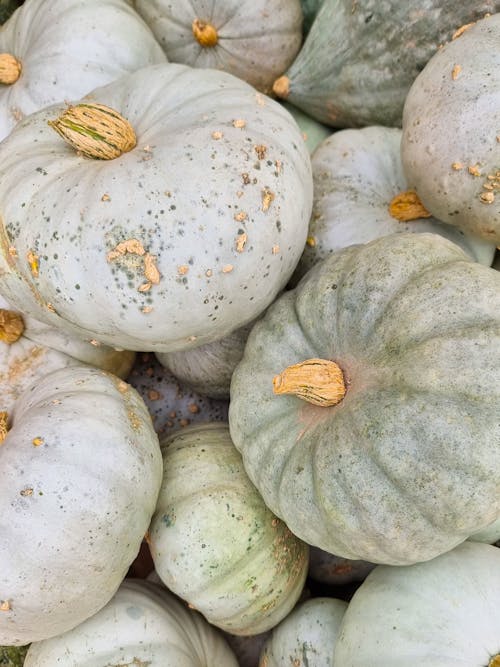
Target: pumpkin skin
[[356, 174], [80, 471], [435, 614], [172, 404], [360, 59], [187, 124], [256, 40], [65, 53], [142, 626], [214, 542], [450, 148], [406, 465], [313, 132], [42, 349], [307, 636], [490, 534]]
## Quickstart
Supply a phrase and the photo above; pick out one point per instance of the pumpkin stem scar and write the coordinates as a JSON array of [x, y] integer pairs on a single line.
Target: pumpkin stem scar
[[4, 425], [10, 69], [95, 131], [317, 381], [281, 87], [205, 33], [11, 326], [407, 206], [495, 661]]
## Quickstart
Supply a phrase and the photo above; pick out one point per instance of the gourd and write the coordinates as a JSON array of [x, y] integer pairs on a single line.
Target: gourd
[[450, 147], [358, 185], [307, 636], [214, 542], [171, 403], [80, 471], [30, 349], [256, 40], [208, 368], [56, 51], [490, 534], [143, 625], [360, 58], [394, 458], [442, 612], [313, 131], [176, 242]]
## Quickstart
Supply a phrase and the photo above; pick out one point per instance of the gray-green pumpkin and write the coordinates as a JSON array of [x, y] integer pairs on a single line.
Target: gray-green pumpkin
[[357, 173], [215, 543], [451, 136], [361, 56], [398, 343]]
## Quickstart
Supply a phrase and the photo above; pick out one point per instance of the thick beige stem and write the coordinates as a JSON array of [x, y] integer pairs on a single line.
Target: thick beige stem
[[407, 206], [11, 326], [96, 131], [10, 69], [4, 419], [317, 381], [281, 87], [205, 33]]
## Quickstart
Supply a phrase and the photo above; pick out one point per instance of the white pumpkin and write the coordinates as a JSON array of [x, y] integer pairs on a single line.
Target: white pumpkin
[[62, 49], [142, 626], [80, 471]]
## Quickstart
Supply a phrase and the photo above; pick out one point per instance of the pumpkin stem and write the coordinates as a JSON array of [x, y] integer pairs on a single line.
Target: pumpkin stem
[[4, 419], [495, 661], [10, 69], [317, 381], [205, 33], [407, 206], [95, 130], [11, 326], [281, 87]]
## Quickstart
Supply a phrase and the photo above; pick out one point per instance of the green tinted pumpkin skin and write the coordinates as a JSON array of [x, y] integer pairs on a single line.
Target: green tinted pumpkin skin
[[450, 147], [442, 612], [65, 53], [313, 132], [80, 471], [257, 40], [143, 625], [307, 636], [178, 192], [356, 174], [360, 58], [214, 542], [309, 9], [406, 465]]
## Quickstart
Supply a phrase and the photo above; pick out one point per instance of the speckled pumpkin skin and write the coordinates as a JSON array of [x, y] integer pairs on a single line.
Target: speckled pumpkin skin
[[450, 146], [307, 636], [406, 466], [214, 542], [65, 52], [361, 56], [356, 174], [142, 626], [196, 182], [80, 471], [441, 613], [257, 39]]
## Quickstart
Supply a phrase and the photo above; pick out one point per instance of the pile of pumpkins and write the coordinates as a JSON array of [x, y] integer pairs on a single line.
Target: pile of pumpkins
[[250, 318]]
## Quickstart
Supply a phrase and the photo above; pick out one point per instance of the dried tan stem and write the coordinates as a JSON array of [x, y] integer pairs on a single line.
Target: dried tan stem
[[317, 381], [407, 206], [11, 326], [205, 33], [10, 69]]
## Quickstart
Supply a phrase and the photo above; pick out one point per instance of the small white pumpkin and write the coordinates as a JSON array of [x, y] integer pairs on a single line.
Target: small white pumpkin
[[60, 50], [142, 626], [80, 471]]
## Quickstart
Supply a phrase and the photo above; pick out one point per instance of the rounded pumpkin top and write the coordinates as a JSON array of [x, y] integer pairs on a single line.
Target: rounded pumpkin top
[[61, 52], [405, 466], [175, 243]]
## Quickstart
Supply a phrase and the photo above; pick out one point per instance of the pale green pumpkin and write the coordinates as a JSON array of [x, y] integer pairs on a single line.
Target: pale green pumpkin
[[405, 466], [143, 625], [80, 471], [435, 614], [62, 52], [450, 146], [188, 231], [361, 57], [214, 542]]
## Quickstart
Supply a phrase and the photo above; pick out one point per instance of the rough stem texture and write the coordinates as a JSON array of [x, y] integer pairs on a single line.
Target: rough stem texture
[[205, 33], [11, 326], [10, 69], [407, 206], [317, 381]]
